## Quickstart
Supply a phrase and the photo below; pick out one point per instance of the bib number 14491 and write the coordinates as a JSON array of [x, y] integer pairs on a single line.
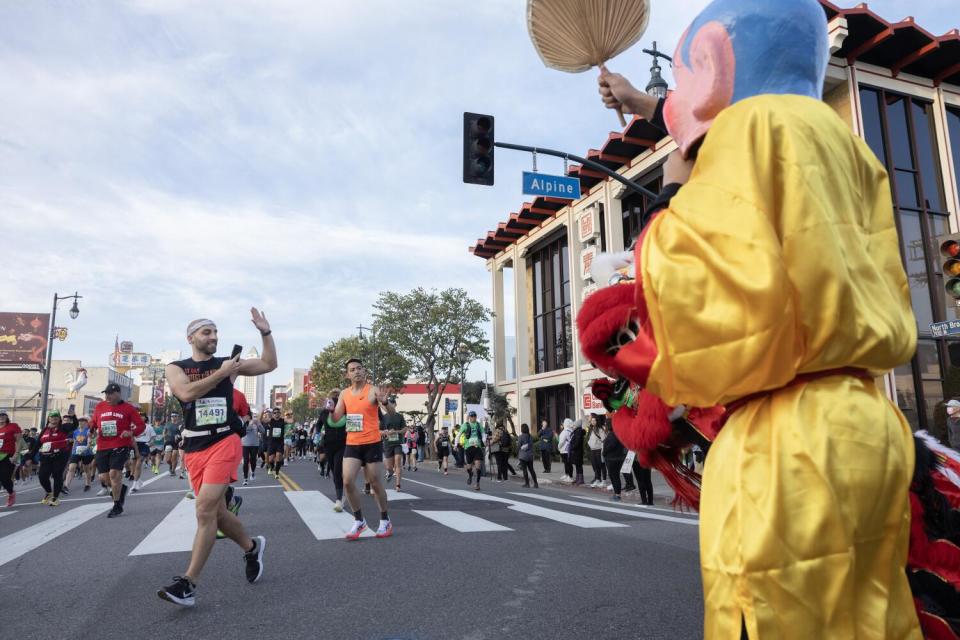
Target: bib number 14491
[[211, 411]]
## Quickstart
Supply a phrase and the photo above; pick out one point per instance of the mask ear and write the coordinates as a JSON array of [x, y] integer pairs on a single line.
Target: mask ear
[[713, 64]]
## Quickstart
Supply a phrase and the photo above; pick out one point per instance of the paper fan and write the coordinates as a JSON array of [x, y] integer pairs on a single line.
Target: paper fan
[[576, 35]]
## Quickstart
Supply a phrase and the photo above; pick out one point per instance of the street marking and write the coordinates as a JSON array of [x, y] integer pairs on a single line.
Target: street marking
[[597, 507], [584, 522], [316, 511], [693, 515], [293, 486], [395, 496], [16, 544], [174, 533], [6, 513], [462, 522], [151, 480]]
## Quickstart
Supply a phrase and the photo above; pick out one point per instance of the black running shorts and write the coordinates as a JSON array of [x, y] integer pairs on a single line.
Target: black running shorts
[[112, 459], [365, 453], [474, 454], [392, 449]]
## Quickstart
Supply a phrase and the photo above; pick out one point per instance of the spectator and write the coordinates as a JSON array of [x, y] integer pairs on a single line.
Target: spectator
[[496, 447], [421, 443], [457, 449], [575, 454], [595, 435], [525, 455], [953, 423], [614, 453], [563, 444], [546, 445]]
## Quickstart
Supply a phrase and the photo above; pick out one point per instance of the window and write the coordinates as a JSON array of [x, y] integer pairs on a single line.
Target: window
[[953, 131], [900, 131], [635, 204], [554, 404], [552, 325]]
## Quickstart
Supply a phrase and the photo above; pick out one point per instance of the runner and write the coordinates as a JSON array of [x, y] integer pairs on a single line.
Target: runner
[[443, 449], [359, 403], [301, 442], [10, 441], [156, 450], [82, 455], [275, 443], [116, 423], [251, 445], [288, 436], [212, 451], [410, 439], [29, 446], [55, 446], [392, 426], [472, 436], [171, 443], [334, 443], [142, 453]]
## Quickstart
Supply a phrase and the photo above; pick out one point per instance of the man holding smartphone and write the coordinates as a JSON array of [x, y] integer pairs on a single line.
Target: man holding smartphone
[[211, 445]]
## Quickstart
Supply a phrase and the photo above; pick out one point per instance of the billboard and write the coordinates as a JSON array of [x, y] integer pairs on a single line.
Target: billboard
[[23, 340]]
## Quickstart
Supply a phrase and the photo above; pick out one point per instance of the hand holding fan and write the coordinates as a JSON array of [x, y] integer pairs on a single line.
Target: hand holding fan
[[576, 35]]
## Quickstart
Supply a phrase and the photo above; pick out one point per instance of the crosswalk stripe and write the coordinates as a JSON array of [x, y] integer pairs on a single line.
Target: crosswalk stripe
[[599, 507], [6, 513], [174, 533], [395, 496], [316, 511], [462, 522], [16, 544], [584, 522]]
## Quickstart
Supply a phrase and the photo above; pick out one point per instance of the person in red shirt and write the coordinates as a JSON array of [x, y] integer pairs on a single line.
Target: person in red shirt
[[116, 423], [9, 445], [55, 444]]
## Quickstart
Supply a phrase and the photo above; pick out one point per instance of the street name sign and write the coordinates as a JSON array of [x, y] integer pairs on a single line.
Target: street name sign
[[946, 328], [542, 184]]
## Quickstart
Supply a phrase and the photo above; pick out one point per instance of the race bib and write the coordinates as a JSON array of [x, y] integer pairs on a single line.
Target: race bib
[[354, 422], [210, 411], [108, 428], [393, 437], [81, 450], [45, 447], [277, 432]]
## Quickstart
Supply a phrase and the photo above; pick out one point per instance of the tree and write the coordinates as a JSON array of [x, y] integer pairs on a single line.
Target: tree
[[433, 331], [300, 406], [384, 363], [500, 410], [472, 391]]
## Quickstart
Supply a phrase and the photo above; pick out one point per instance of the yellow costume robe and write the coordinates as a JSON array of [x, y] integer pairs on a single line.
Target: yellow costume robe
[[779, 257]]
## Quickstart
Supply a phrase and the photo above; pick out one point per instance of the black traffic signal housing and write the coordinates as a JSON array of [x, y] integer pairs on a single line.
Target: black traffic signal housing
[[950, 264], [478, 149]]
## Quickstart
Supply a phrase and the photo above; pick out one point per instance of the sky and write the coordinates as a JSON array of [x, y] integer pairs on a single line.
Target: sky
[[173, 159]]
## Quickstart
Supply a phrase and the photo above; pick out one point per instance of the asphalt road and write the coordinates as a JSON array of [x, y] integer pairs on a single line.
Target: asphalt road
[[502, 563]]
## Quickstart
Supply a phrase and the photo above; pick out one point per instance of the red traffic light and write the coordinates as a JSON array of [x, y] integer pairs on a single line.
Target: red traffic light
[[950, 248]]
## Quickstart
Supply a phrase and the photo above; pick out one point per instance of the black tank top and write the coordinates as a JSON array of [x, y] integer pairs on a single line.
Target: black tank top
[[211, 412]]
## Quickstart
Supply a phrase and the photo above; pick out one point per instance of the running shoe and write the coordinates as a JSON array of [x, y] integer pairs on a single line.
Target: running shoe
[[65, 490], [244, 483], [615, 498], [253, 476], [115, 511], [55, 502], [253, 559], [173, 474], [181, 592], [385, 530], [191, 495], [86, 488], [234, 508], [46, 499], [477, 488], [359, 526], [102, 492], [11, 499], [444, 472], [338, 506]]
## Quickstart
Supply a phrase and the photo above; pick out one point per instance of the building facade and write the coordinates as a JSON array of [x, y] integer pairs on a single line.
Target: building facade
[[252, 387], [896, 85]]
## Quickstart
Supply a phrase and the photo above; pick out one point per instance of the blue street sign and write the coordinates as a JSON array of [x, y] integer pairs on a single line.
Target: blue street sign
[[449, 406], [541, 184], [947, 328]]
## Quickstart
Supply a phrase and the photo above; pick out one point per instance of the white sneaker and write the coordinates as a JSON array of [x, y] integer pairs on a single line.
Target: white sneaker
[[338, 506], [244, 483], [102, 492], [253, 476], [566, 478], [359, 526]]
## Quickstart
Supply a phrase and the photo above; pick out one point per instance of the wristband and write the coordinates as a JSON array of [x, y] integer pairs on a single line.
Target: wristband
[[266, 334]]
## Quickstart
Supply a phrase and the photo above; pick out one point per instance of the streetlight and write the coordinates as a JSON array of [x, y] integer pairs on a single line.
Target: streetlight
[[464, 357], [74, 312]]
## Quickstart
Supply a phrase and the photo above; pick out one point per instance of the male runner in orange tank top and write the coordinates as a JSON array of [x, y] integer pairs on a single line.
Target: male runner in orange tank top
[[359, 403]]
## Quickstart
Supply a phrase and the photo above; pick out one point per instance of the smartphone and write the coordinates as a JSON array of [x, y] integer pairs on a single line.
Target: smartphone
[[236, 351]]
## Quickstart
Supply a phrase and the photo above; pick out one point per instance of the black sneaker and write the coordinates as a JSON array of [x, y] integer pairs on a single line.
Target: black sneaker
[[181, 592], [86, 488], [116, 511], [123, 494], [254, 560]]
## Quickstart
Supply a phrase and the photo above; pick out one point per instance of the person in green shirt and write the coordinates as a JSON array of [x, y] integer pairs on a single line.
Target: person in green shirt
[[392, 426], [472, 438]]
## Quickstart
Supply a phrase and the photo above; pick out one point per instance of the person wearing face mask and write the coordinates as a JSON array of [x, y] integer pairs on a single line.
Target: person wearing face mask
[[55, 446], [10, 440]]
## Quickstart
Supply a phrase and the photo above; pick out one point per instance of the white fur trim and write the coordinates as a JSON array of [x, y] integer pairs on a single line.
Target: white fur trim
[[936, 446], [607, 264]]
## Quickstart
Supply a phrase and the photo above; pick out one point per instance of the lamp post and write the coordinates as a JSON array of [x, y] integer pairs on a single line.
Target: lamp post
[[464, 357], [74, 312]]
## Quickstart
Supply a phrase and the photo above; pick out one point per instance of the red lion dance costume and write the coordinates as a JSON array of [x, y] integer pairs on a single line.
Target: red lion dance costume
[[761, 301]]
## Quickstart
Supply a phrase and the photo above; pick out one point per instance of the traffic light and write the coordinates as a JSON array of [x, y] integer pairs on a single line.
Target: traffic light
[[478, 149], [950, 255]]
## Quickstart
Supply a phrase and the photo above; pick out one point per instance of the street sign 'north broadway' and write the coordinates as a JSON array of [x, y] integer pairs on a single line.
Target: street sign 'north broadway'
[[946, 328], [541, 184]]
